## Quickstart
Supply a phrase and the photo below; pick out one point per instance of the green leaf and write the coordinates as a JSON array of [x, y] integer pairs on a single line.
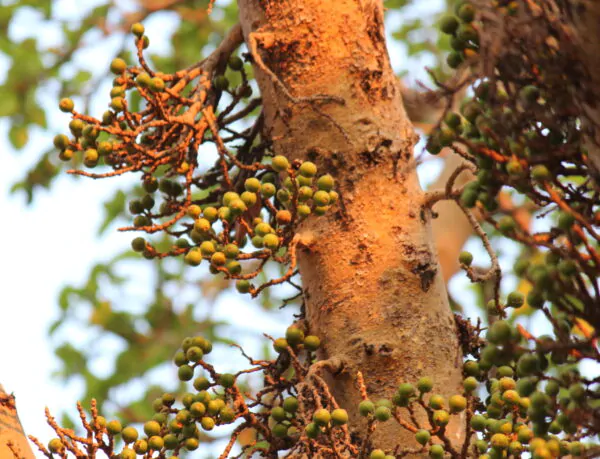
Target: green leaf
[[113, 209], [18, 136], [9, 103]]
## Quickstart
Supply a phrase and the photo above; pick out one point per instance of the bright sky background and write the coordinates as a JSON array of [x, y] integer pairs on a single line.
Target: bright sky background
[[53, 242]]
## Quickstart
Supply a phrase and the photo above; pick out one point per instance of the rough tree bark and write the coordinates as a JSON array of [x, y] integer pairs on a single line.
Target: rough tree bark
[[373, 288], [585, 19], [13, 442]]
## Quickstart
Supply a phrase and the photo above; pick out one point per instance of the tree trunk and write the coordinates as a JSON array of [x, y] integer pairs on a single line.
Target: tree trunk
[[13, 442], [373, 289], [585, 20]]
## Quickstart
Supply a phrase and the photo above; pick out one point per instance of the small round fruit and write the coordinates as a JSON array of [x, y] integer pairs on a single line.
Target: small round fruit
[[221, 83], [449, 24], [308, 169], [457, 403], [252, 184], [235, 63], [441, 417], [66, 105], [114, 427], [138, 29], [280, 163], [290, 404], [185, 373], [271, 241], [436, 451], [515, 300], [366, 407], [325, 182], [193, 257], [322, 417], [129, 434], [382, 413], [465, 258], [280, 345], [218, 259], [61, 141], [303, 211], [470, 384], [207, 423], [55, 445], [312, 430], [283, 217], [425, 384], [268, 190], [157, 84], [423, 436], [540, 173], [279, 430], [339, 417], [312, 343], [227, 380], [278, 413], [243, 286], [321, 198], [436, 402], [294, 335], [156, 443], [152, 428], [143, 80], [118, 66], [377, 454]]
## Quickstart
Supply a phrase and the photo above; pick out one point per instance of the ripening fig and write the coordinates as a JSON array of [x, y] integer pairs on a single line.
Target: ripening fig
[[325, 182], [156, 84], [322, 417], [185, 372], [321, 198], [283, 217], [252, 185], [114, 427], [235, 63], [227, 380], [382, 413], [271, 241], [465, 258], [307, 169], [90, 157], [436, 452], [422, 436], [193, 257], [55, 445], [366, 407], [138, 29], [290, 404], [425, 384], [466, 12], [118, 66], [221, 83], [66, 105], [143, 80], [268, 190], [280, 345], [61, 141], [449, 24], [243, 286], [280, 163], [303, 211]]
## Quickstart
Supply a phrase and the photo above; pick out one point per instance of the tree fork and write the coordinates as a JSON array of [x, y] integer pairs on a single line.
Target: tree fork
[[372, 283]]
